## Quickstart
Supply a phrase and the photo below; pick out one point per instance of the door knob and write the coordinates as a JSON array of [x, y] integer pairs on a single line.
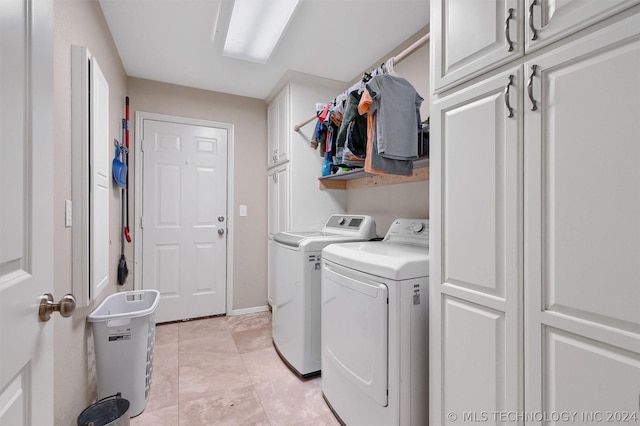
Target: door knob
[[220, 231], [65, 306], [220, 218]]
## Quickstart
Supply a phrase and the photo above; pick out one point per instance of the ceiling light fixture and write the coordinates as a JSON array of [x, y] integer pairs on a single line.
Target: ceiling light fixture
[[256, 27]]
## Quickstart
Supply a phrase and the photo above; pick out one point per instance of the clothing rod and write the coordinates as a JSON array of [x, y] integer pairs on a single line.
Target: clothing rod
[[396, 59]]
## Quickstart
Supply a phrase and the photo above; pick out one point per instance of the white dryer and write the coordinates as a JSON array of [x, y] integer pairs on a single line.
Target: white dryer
[[296, 290], [374, 330]]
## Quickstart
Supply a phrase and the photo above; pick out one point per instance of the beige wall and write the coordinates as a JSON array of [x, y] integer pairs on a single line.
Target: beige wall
[[78, 22], [249, 119], [386, 203]]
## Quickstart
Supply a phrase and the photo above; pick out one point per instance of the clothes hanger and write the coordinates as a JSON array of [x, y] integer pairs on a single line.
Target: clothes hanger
[[389, 67]]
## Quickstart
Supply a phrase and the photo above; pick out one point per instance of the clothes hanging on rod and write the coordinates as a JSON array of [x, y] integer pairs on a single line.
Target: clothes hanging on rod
[[377, 129], [374, 163], [397, 105], [394, 61], [375, 123]]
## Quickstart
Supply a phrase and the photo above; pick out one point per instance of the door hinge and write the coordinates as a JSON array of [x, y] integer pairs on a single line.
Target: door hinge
[[141, 226], [142, 145]]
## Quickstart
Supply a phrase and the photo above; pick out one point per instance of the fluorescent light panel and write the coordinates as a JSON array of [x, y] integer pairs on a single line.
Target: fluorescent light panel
[[256, 27]]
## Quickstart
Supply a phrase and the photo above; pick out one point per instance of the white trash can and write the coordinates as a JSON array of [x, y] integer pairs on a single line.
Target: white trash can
[[124, 330]]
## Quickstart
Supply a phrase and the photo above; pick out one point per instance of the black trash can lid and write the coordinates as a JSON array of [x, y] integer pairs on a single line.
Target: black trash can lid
[[105, 412]]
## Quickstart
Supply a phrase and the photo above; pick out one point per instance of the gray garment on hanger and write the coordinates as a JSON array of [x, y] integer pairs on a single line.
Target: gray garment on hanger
[[397, 107], [388, 165]]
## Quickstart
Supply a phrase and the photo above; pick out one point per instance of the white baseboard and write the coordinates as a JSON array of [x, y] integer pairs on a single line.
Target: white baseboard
[[253, 310]]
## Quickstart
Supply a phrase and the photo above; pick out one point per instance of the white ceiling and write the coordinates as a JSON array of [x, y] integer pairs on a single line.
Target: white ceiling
[[181, 41]]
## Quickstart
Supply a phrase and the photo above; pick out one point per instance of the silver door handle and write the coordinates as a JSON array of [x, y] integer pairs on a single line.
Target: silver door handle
[[507, 36], [534, 106], [531, 26], [506, 96], [220, 231], [47, 306]]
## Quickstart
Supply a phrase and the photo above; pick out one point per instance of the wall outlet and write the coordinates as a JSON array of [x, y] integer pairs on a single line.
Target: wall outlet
[[243, 209]]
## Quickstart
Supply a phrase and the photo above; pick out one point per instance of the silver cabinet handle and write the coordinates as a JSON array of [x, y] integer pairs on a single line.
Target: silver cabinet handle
[[531, 26], [506, 96], [506, 30], [534, 105]]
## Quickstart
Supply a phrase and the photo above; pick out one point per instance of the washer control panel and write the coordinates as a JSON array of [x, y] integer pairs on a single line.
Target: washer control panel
[[361, 225], [409, 231]]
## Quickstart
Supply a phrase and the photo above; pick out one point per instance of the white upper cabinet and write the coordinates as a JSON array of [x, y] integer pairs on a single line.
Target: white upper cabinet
[[279, 128], [550, 20], [471, 36], [294, 166]]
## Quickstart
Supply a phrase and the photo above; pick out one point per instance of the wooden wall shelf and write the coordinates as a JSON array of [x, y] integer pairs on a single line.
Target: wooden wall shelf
[[360, 179]]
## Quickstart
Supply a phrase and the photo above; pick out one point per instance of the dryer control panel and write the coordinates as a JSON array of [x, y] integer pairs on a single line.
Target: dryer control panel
[[409, 231]]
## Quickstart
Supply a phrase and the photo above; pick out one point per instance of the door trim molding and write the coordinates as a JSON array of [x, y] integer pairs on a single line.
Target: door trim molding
[[137, 257]]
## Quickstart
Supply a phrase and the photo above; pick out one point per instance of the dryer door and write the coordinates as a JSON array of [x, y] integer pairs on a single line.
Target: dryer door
[[355, 329]]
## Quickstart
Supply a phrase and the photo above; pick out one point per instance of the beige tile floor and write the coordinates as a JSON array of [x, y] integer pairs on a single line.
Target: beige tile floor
[[225, 371]]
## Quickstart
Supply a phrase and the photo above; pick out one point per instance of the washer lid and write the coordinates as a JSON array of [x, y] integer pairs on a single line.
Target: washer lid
[[294, 238], [339, 228], [313, 243], [380, 258]]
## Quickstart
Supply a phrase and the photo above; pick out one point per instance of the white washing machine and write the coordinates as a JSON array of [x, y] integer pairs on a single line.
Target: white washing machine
[[375, 340], [296, 290]]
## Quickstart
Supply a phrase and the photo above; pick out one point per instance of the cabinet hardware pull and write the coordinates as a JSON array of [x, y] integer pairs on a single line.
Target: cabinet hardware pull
[[506, 30], [506, 96], [534, 105], [531, 26]]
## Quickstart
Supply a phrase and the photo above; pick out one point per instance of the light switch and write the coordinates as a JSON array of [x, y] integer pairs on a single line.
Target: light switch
[[243, 209], [67, 213]]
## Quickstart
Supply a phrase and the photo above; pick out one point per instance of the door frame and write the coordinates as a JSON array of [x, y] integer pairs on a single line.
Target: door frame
[[137, 253]]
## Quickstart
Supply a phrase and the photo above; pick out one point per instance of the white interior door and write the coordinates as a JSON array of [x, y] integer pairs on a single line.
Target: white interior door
[[184, 217], [26, 216]]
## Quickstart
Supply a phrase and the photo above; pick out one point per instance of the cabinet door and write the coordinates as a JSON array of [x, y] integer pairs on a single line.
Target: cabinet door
[[272, 134], [278, 124], [470, 37], [476, 257], [272, 202], [550, 20], [284, 126], [582, 227], [278, 199], [271, 272]]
